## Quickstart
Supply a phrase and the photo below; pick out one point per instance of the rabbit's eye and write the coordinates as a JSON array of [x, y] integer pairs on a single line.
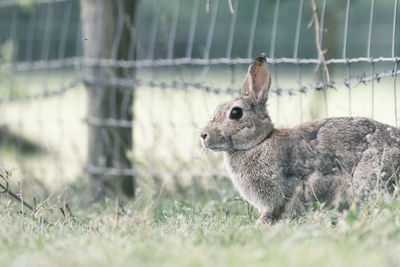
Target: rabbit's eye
[[236, 113]]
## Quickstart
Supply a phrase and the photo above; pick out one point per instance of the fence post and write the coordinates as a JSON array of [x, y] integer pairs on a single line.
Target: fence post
[[107, 25]]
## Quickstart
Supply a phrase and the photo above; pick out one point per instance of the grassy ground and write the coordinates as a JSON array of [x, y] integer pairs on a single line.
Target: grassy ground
[[207, 231]]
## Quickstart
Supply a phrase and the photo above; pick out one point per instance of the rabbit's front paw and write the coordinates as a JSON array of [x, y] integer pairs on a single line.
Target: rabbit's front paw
[[265, 218]]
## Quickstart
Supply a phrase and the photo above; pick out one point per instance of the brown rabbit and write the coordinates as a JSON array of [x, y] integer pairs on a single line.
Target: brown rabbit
[[334, 160]]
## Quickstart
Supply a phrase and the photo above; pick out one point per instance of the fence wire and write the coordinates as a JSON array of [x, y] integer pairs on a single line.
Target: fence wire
[[181, 60]]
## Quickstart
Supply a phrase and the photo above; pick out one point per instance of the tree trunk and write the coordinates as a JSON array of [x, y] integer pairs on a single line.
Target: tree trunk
[[107, 26]]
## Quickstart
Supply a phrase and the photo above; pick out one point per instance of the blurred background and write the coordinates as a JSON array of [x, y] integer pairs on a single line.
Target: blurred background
[[110, 96]]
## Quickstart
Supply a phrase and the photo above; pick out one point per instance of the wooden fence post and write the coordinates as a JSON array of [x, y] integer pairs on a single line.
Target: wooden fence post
[[107, 26]]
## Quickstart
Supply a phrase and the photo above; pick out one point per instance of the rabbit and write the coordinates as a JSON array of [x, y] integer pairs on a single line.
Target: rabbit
[[280, 171]]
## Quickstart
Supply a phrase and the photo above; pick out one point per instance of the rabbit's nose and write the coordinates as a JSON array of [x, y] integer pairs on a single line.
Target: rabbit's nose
[[203, 135]]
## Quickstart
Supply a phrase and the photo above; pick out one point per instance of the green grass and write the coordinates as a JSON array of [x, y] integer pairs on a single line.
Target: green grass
[[210, 231]]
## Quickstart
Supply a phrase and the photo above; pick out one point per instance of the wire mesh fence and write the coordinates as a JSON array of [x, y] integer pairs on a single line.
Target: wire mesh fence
[[118, 89]]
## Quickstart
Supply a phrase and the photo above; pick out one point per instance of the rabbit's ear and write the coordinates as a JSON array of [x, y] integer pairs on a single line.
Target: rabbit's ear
[[258, 80]]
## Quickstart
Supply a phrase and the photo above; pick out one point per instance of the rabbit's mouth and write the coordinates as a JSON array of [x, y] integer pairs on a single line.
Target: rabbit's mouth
[[214, 147]]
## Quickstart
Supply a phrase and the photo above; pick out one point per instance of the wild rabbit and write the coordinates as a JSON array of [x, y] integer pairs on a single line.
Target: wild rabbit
[[334, 160]]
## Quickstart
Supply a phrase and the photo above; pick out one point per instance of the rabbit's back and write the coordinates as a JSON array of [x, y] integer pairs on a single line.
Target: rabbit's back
[[339, 142], [346, 156]]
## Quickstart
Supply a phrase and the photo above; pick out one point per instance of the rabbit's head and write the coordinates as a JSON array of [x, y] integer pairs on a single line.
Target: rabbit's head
[[243, 122]]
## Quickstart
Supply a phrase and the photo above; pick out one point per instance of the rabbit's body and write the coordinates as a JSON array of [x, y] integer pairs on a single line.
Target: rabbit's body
[[331, 160], [334, 160]]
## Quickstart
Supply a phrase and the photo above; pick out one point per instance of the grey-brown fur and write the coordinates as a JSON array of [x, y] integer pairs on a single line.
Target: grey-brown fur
[[334, 160]]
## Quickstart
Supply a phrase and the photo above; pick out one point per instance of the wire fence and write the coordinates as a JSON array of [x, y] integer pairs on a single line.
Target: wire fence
[[68, 74]]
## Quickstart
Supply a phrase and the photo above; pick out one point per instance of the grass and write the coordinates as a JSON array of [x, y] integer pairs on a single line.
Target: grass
[[212, 230]]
